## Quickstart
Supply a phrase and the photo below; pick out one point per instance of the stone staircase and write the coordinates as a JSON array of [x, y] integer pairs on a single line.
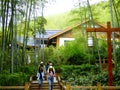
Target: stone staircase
[[34, 85]]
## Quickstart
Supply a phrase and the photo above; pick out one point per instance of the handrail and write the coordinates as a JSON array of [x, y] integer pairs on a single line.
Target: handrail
[[61, 82], [26, 87], [98, 87], [111, 87], [84, 87]]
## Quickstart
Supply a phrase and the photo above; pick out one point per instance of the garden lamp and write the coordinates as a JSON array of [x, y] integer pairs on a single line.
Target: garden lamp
[[90, 41]]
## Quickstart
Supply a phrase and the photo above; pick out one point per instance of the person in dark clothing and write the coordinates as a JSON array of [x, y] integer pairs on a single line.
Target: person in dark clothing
[[40, 76], [47, 66]]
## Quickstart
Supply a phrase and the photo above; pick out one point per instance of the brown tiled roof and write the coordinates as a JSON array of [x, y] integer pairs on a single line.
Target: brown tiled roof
[[70, 28]]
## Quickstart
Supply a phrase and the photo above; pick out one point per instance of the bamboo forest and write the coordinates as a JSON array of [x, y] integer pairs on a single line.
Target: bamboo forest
[[82, 44]]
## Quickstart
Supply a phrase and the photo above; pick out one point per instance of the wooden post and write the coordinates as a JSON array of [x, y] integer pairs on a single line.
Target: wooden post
[[110, 76], [26, 86], [56, 75], [68, 86], [99, 86]]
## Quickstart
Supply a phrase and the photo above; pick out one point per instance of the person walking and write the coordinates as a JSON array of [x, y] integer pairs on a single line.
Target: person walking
[[44, 68], [47, 65], [40, 75], [51, 74]]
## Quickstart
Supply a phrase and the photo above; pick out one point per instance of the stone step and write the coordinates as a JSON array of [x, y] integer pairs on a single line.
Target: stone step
[[45, 85], [35, 86], [45, 81], [44, 88]]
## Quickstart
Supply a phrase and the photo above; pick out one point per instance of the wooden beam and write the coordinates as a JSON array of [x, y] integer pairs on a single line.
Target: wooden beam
[[96, 30]]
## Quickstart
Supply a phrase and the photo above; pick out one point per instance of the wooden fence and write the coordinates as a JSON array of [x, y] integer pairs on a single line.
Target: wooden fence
[[98, 87], [26, 87]]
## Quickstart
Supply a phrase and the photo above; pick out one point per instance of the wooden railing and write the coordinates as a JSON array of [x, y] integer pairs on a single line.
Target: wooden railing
[[66, 86], [26, 87], [98, 87]]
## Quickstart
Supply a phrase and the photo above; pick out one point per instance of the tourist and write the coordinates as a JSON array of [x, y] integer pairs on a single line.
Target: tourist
[[40, 75], [51, 74]]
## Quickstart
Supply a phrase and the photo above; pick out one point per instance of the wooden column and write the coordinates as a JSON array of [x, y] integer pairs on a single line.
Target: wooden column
[[68, 86], [26, 86], [110, 77]]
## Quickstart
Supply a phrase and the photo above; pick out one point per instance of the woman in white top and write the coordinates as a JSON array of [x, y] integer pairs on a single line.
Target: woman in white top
[[40, 77]]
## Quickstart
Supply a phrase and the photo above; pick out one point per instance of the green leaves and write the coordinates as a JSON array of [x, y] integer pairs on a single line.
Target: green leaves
[[15, 79]]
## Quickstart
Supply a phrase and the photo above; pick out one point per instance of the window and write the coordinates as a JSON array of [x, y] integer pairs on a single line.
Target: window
[[64, 40]]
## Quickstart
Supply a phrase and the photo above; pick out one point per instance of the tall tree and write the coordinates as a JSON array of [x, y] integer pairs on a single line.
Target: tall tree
[[10, 11]]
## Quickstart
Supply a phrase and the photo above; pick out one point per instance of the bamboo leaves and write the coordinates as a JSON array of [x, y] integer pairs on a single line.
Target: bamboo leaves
[[12, 13]]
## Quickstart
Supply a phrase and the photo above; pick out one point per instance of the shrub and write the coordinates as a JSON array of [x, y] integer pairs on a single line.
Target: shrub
[[13, 79], [28, 69]]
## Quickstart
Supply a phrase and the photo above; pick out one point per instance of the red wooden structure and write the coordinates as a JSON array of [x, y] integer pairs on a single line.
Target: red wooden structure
[[108, 30]]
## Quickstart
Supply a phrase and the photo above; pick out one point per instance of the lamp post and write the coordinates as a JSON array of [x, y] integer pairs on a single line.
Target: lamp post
[[108, 30]]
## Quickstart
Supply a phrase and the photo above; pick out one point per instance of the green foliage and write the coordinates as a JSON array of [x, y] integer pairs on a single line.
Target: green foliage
[[76, 52], [102, 77], [77, 59], [79, 70], [58, 69], [116, 74], [87, 74], [100, 45], [28, 69], [0, 37], [57, 22], [19, 78], [101, 9], [49, 54], [100, 12], [118, 54], [15, 79], [73, 52]]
